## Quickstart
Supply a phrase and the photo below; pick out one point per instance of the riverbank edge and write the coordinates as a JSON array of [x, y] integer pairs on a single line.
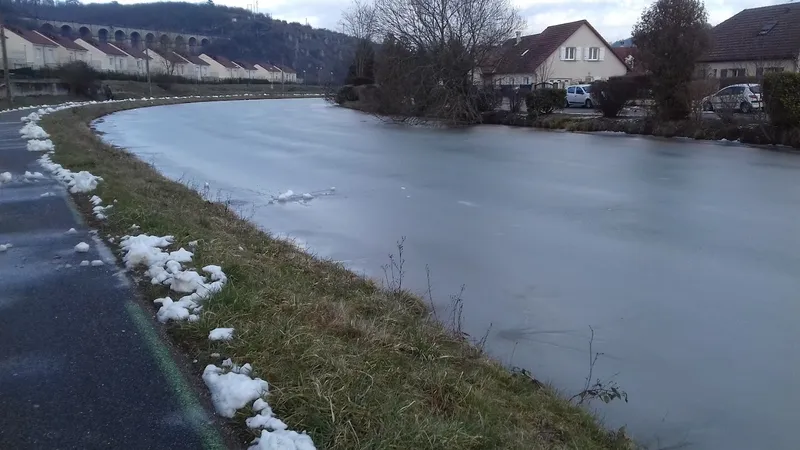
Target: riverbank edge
[[757, 134], [745, 132], [353, 364]]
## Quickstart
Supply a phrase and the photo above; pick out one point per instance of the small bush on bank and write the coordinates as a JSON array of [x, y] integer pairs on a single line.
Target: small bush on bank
[[346, 94], [545, 101], [486, 100], [781, 93], [613, 94], [80, 78]]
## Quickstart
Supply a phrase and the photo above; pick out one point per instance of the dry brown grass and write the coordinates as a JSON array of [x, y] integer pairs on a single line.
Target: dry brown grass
[[354, 365]]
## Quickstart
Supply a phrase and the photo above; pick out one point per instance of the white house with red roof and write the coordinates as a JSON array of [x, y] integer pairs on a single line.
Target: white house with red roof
[[269, 72], [562, 54], [105, 57], [27, 48], [67, 50]]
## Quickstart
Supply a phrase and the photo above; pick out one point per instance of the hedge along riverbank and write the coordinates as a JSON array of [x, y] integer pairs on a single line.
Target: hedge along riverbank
[[747, 133], [352, 364]]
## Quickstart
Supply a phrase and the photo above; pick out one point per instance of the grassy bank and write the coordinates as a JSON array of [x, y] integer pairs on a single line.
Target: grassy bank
[[354, 365]]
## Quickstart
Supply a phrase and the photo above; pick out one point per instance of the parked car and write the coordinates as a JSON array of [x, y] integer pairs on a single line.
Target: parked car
[[744, 98], [579, 95]]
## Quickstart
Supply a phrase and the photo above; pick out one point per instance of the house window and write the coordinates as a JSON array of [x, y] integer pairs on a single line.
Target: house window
[[594, 54], [527, 80], [737, 72], [111, 62], [773, 69], [569, 53]]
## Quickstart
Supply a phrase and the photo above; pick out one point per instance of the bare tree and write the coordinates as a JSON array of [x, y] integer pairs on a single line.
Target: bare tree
[[432, 47], [543, 73], [170, 62], [358, 21]]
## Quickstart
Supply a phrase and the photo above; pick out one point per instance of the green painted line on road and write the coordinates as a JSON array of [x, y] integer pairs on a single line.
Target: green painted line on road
[[186, 398]]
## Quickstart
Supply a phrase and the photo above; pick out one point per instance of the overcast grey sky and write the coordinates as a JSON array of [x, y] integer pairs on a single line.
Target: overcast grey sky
[[612, 18]]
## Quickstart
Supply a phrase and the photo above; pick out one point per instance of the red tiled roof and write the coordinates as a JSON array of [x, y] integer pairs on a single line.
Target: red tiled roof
[[194, 59], [62, 41], [32, 36], [135, 52], [225, 62], [767, 33], [106, 48], [268, 67], [245, 65], [533, 50], [169, 56]]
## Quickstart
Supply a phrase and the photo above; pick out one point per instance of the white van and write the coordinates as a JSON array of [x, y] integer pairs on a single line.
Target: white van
[[579, 95]]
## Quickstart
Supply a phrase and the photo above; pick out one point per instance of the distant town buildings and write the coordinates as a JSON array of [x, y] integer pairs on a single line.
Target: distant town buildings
[[40, 49]]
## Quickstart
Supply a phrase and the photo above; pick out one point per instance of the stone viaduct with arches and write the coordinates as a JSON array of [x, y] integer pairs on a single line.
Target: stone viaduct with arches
[[133, 36]]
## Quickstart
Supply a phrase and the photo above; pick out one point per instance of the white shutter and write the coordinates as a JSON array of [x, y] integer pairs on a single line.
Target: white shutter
[[586, 53], [578, 54], [602, 53], [562, 52]]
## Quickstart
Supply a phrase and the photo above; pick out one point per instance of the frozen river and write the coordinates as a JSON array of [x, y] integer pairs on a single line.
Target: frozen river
[[684, 257]]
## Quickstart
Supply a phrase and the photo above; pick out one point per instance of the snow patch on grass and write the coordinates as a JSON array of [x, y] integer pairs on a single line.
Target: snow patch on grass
[[82, 247], [282, 440], [166, 268], [5, 177], [232, 390], [221, 334], [5, 247]]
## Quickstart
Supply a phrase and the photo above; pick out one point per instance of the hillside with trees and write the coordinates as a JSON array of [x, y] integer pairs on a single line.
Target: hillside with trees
[[240, 33]]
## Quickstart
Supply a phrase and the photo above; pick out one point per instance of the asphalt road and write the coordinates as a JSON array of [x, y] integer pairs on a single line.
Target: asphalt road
[[80, 365], [682, 255]]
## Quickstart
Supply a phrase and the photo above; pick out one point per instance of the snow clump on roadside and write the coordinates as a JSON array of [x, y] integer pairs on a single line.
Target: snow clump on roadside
[[33, 131], [82, 181], [36, 145]]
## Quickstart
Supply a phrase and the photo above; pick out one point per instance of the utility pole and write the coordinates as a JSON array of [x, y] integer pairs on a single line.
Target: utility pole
[[147, 69], [6, 73]]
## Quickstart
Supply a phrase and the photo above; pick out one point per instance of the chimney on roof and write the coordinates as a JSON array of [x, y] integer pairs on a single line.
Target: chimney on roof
[[519, 37]]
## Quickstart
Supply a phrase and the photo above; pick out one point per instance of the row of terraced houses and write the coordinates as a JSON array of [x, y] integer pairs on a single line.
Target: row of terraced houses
[[36, 49]]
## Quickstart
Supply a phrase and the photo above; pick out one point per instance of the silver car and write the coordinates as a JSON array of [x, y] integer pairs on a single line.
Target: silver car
[[744, 98]]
